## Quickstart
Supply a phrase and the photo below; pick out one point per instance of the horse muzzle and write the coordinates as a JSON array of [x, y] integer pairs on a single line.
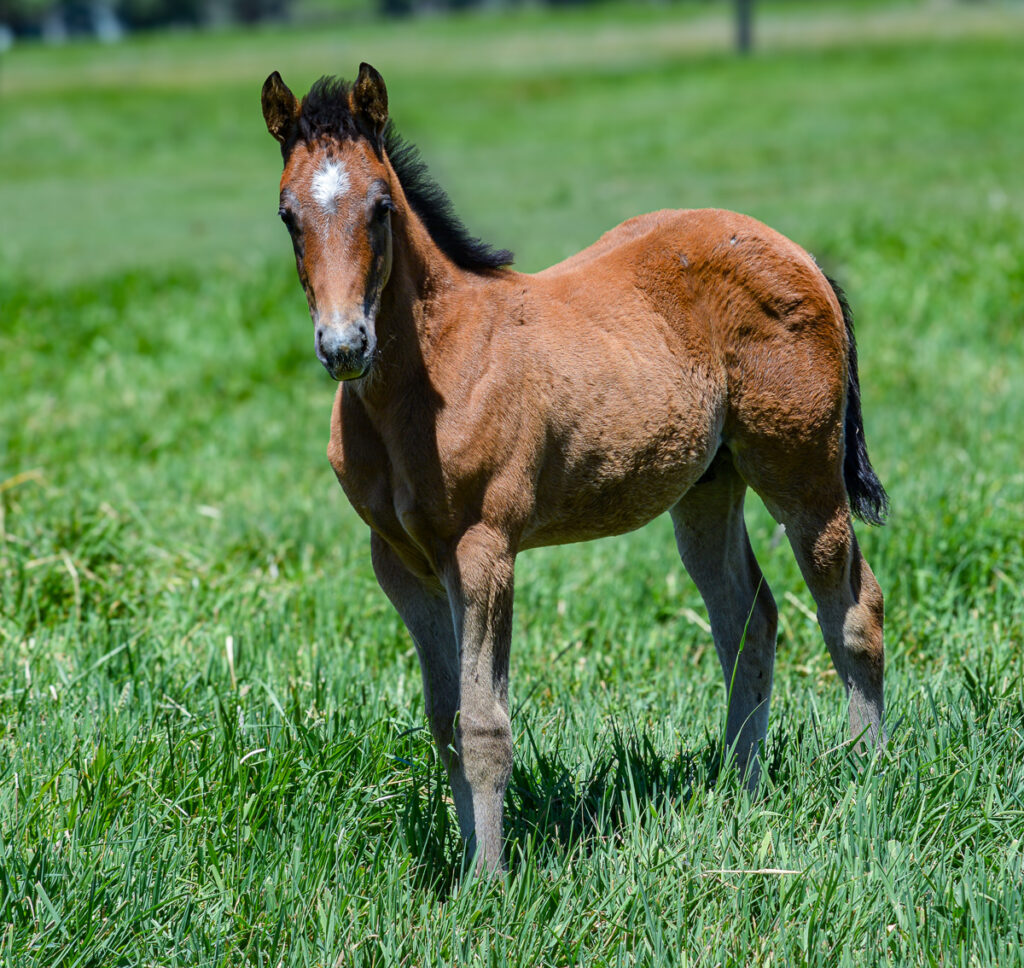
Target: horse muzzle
[[346, 351]]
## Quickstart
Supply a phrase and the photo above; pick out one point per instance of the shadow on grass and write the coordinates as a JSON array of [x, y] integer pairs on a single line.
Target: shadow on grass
[[555, 811], [548, 805]]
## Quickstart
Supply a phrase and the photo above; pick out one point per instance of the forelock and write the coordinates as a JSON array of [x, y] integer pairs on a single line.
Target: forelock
[[326, 112]]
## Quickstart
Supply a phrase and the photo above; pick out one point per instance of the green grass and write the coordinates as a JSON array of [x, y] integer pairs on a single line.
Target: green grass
[[163, 487]]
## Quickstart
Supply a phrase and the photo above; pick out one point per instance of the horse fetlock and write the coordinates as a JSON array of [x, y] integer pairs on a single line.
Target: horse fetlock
[[866, 719]]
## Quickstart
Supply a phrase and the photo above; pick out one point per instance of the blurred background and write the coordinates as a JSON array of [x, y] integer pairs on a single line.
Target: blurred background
[[128, 137], [58, 20]]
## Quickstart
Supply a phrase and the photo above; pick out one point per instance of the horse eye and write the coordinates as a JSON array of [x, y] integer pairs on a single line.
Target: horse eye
[[287, 216], [383, 207]]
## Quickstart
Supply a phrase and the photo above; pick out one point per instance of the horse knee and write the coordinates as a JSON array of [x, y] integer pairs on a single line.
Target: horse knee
[[484, 745], [484, 748]]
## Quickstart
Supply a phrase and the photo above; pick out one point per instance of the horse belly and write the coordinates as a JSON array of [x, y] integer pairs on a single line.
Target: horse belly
[[623, 462]]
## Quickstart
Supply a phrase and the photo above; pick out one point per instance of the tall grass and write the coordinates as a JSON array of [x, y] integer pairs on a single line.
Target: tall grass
[[213, 748]]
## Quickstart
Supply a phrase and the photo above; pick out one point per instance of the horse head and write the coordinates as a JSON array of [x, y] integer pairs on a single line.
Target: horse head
[[336, 202]]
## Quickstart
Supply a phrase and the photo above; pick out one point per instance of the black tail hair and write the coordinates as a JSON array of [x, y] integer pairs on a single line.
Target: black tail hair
[[868, 499]]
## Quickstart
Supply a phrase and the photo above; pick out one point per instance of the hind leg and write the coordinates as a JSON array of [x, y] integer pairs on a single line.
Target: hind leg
[[805, 492], [850, 605], [713, 544]]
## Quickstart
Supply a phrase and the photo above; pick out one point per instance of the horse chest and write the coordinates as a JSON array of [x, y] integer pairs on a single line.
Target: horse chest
[[390, 508]]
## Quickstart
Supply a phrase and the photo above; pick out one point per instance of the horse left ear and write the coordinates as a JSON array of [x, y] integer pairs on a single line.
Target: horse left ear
[[370, 103]]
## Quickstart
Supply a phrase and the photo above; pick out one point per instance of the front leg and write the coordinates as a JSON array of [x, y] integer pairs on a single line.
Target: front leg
[[479, 579], [427, 614]]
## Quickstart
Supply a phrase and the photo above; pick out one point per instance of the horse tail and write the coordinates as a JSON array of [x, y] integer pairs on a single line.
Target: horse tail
[[868, 499]]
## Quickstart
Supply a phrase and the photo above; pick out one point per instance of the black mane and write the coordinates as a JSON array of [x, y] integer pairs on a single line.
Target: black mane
[[326, 112]]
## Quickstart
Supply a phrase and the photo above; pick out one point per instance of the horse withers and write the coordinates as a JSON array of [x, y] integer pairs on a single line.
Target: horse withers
[[682, 358]]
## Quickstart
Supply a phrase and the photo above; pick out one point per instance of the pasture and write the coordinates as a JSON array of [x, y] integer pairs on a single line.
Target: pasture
[[213, 749]]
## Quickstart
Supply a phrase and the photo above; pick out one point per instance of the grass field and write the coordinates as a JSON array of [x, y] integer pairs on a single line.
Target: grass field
[[212, 748]]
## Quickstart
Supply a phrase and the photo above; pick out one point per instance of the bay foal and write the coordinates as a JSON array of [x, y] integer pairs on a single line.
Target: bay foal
[[683, 357]]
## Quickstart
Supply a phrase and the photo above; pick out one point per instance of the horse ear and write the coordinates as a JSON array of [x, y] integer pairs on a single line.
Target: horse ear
[[370, 102], [280, 108]]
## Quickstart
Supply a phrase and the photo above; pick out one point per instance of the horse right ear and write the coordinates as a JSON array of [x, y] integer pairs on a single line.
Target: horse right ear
[[280, 108]]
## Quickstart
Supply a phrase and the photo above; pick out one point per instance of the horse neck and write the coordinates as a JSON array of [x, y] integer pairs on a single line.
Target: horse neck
[[406, 321]]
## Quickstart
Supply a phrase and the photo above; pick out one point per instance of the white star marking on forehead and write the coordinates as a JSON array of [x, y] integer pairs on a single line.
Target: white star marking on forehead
[[329, 184]]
